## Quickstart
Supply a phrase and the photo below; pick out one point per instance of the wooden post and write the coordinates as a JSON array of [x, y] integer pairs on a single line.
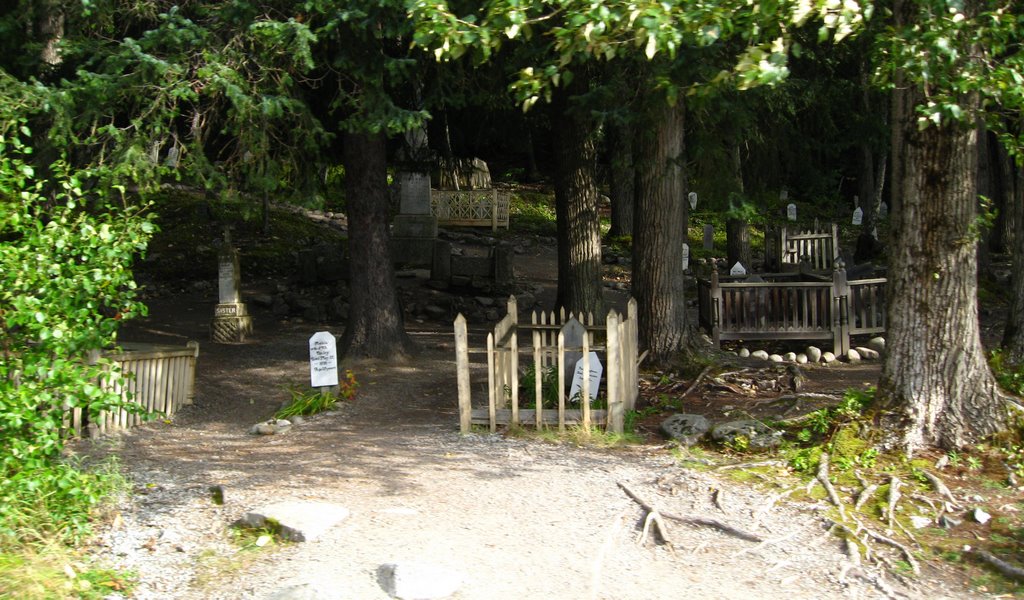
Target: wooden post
[[561, 382], [840, 304], [492, 381], [494, 210], [615, 366], [633, 343], [190, 390], [585, 389], [716, 306], [462, 374], [538, 376], [513, 368]]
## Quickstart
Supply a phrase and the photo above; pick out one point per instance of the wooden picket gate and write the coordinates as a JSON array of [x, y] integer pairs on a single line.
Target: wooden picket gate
[[161, 379], [616, 337]]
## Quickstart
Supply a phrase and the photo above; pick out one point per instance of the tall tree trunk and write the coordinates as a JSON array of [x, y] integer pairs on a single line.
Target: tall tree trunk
[[623, 179], [580, 287], [376, 327], [1013, 334], [935, 378], [737, 230], [658, 237]]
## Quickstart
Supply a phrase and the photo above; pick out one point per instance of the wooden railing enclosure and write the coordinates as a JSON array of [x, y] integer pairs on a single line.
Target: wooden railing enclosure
[[817, 247], [476, 208], [814, 308], [545, 345], [161, 379]]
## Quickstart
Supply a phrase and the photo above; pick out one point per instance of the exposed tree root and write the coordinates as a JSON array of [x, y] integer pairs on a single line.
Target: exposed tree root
[[750, 465], [1005, 568], [690, 520], [823, 476], [696, 381], [940, 487], [894, 497]]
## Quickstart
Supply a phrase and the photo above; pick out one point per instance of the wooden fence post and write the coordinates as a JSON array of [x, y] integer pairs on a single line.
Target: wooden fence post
[[561, 381], [538, 376], [615, 372], [492, 381], [716, 306], [632, 342], [841, 303], [462, 374]]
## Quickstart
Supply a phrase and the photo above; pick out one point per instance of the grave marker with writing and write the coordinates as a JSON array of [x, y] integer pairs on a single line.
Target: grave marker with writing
[[596, 370], [323, 360], [231, 321], [858, 216], [738, 269]]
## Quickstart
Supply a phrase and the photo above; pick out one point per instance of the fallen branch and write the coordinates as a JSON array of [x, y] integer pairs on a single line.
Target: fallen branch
[[914, 566], [822, 477], [692, 520], [696, 381], [1000, 565]]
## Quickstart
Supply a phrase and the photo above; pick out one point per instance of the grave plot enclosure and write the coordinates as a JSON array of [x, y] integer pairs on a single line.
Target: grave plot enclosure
[[791, 306], [161, 379], [551, 344], [816, 248], [473, 208]]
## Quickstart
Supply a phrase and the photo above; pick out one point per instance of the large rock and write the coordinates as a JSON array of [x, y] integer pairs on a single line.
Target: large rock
[[759, 436], [759, 354], [877, 344], [418, 581], [813, 354], [789, 357], [853, 356], [744, 352], [828, 357], [866, 353], [686, 429], [295, 520]]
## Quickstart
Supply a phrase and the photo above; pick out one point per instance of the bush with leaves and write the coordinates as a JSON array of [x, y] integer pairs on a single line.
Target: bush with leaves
[[65, 284]]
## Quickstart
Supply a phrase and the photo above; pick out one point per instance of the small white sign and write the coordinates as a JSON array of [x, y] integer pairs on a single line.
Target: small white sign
[[693, 200], [791, 212], [738, 269], [686, 256], [323, 360], [858, 216], [596, 370]]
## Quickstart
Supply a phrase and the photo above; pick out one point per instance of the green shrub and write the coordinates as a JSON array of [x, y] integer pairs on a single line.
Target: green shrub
[[310, 402]]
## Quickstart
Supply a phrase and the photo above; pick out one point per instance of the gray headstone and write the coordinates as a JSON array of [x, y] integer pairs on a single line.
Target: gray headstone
[[791, 212], [709, 236], [596, 369], [784, 195], [738, 269], [228, 279], [323, 360], [692, 197], [414, 195], [883, 210], [858, 216]]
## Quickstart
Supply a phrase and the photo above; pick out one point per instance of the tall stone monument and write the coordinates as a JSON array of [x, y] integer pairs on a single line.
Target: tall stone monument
[[415, 228], [231, 321]]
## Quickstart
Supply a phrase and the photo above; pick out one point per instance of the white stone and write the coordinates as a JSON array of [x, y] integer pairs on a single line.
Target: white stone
[[852, 355], [775, 358], [801, 358], [744, 352], [828, 357], [981, 516], [866, 353], [919, 522], [858, 216], [877, 344], [789, 357], [813, 354], [323, 360], [418, 581], [759, 354], [297, 521]]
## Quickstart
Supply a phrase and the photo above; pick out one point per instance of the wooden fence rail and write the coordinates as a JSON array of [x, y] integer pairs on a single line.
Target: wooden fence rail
[[833, 309], [547, 347], [477, 208], [161, 379]]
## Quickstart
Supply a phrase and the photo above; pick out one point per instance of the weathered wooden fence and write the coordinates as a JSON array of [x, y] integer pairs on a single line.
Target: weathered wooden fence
[[814, 308], [546, 345], [161, 379], [477, 208], [819, 246]]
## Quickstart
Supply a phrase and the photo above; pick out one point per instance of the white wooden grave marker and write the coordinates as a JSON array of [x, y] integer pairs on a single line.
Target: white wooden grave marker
[[692, 196], [596, 370], [791, 211], [738, 269], [858, 216], [323, 360], [686, 256]]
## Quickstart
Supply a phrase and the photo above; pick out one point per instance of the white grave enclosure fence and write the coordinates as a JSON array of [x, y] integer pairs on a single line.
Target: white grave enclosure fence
[[160, 379], [479, 208], [550, 347]]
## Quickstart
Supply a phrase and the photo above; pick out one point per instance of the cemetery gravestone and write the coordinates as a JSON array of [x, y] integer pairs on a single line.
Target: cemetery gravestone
[[709, 236], [594, 375], [231, 321], [738, 270], [858, 216], [692, 196], [791, 212], [323, 360], [414, 228]]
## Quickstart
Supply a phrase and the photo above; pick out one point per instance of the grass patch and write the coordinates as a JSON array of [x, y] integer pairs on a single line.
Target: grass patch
[[56, 572], [533, 212]]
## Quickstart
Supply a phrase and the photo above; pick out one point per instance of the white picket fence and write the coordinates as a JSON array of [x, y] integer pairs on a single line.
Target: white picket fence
[[161, 379], [616, 338]]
